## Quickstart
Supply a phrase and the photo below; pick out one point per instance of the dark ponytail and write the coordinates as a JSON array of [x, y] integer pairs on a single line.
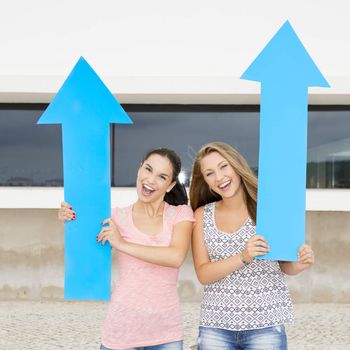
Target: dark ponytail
[[178, 194]]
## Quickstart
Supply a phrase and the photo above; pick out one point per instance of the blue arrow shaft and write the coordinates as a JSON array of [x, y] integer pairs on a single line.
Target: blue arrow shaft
[[87, 263], [282, 167]]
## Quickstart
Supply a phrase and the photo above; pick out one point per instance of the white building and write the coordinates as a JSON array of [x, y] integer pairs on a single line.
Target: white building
[[175, 66]]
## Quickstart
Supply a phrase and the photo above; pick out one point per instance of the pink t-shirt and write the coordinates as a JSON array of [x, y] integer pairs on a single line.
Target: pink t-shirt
[[144, 308]]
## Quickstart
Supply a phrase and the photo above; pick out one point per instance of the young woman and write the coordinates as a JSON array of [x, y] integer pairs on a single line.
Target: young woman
[[246, 301], [152, 237]]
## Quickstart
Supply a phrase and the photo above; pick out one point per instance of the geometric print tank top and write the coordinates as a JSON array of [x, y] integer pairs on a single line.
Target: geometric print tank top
[[254, 296]]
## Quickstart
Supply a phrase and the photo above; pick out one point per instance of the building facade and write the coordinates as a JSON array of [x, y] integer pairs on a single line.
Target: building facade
[[175, 68]]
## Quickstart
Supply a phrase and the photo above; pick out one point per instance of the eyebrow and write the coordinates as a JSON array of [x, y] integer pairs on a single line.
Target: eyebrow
[[162, 174]]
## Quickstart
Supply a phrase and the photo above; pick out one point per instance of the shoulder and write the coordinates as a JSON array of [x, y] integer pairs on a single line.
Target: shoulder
[[182, 212], [199, 213], [184, 209]]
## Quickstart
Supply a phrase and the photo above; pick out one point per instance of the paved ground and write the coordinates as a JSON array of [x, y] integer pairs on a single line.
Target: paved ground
[[76, 325]]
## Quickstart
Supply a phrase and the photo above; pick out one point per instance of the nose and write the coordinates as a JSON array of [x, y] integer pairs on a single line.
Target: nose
[[219, 176], [151, 178]]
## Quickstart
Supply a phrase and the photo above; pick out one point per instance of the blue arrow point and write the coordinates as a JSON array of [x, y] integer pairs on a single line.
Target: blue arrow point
[[285, 59], [84, 96]]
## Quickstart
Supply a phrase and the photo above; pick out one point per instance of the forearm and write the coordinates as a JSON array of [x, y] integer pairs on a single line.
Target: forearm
[[213, 271], [164, 256]]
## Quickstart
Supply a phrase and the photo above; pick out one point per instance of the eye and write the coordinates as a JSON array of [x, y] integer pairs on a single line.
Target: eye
[[148, 169], [163, 177], [223, 166], [208, 174]]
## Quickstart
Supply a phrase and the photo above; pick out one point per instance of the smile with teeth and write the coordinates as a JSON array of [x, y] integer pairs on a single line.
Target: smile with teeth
[[147, 190], [224, 185]]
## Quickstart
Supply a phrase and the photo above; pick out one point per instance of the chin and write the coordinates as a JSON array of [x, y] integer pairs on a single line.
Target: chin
[[229, 194]]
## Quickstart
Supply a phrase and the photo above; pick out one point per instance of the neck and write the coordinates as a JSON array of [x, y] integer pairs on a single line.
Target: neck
[[152, 209]]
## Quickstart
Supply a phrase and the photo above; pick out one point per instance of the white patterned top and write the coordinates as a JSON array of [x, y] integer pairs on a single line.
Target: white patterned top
[[254, 296]]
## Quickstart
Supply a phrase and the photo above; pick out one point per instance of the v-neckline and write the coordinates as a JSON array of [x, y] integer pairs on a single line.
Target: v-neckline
[[228, 233], [144, 233]]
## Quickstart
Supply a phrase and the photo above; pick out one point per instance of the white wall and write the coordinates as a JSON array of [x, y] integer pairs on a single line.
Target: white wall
[[184, 51], [165, 51]]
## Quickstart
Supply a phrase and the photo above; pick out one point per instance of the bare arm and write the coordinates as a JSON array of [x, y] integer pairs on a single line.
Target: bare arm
[[170, 256], [306, 260], [209, 272]]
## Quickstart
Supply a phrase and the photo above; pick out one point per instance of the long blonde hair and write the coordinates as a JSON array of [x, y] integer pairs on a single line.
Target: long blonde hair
[[200, 193]]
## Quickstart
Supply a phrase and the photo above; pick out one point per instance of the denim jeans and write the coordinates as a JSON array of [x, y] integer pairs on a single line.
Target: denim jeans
[[257, 339], [175, 345]]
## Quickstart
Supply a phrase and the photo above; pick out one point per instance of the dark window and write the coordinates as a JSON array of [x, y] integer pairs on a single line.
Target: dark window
[[329, 148], [30, 154], [184, 129]]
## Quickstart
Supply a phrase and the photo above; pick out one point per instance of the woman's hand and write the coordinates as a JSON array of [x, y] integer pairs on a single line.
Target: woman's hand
[[111, 234], [66, 213], [306, 258], [255, 246]]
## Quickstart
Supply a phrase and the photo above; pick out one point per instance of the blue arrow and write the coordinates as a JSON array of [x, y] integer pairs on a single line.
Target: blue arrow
[[285, 71], [85, 108]]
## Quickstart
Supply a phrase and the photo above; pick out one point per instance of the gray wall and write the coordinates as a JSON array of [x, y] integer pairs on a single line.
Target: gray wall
[[31, 258]]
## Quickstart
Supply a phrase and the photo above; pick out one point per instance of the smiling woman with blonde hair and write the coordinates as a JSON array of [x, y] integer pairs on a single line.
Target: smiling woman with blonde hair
[[200, 192], [246, 300]]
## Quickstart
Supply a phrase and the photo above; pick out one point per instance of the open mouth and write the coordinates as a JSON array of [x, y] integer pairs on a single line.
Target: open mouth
[[147, 190], [225, 185]]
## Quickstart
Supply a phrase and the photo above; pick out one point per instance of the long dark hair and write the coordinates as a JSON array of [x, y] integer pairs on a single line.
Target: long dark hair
[[178, 194]]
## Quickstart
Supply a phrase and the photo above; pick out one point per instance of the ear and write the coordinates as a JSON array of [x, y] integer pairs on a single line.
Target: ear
[[171, 186]]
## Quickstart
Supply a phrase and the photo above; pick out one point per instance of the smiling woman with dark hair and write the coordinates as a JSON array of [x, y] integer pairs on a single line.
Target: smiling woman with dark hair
[[152, 237]]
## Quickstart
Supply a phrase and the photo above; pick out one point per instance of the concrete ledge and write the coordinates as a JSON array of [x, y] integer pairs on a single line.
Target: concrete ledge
[[51, 197]]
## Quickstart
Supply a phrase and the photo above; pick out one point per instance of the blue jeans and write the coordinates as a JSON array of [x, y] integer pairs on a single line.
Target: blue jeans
[[175, 345], [256, 339]]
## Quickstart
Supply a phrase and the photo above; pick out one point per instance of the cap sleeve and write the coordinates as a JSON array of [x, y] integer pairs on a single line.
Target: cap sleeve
[[119, 216], [183, 213]]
